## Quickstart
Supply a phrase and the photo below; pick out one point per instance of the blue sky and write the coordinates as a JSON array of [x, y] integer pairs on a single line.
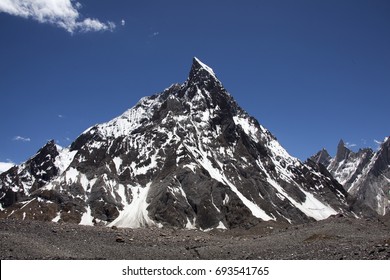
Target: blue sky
[[311, 72]]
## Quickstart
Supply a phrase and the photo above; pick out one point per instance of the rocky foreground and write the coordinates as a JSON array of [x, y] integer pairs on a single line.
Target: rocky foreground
[[334, 238]]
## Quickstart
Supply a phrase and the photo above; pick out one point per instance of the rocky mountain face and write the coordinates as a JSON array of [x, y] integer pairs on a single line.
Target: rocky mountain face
[[365, 175], [188, 157]]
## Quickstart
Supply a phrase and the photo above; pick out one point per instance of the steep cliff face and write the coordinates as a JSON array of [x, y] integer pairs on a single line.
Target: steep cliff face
[[188, 157], [372, 188]]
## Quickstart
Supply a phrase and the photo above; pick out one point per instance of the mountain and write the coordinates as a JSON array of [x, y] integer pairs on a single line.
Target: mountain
[[365, 175], [188, 157]]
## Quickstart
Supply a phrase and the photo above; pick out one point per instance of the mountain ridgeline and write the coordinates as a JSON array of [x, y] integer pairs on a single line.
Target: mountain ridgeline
[[365, 175], [188, 157]]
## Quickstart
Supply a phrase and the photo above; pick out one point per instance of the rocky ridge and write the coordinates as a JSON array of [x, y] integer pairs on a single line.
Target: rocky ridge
[[365, 175]]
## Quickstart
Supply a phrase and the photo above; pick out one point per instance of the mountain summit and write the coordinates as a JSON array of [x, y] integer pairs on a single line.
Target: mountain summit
[[201, 71], [188, 157]]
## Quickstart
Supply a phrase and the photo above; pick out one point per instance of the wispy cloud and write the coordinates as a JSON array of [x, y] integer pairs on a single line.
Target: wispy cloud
[[350, 145], [378, 144], [61, 116], [154, 34], [123, 22], [61, 13], [4, 166], [22, 139]]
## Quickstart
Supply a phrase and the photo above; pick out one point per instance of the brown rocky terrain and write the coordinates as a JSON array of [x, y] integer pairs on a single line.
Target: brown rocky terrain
[[335, 238]]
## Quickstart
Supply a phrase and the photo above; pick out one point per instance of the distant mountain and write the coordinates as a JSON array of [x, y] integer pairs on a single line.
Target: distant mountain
[[364, 174], [189, 157]]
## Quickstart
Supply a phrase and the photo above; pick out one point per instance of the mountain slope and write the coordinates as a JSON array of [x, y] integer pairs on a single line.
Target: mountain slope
[[188, 157], [364, 174]]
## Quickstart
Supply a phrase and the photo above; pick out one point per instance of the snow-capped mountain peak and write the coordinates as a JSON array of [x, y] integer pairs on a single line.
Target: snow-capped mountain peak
[[188, 157], [202, 75], [197, 65]]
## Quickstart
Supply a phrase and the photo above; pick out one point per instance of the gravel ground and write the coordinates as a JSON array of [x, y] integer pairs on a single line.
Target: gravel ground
[[334, 238]]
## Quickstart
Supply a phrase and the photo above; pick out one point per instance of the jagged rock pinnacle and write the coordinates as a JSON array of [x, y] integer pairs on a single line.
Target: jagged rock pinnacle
[[342, 151]]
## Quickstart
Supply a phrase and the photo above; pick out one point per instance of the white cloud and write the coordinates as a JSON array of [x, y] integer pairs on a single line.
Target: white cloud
[[123, 22], [23, 139], [154, 34], [350, 145], [4, 166], [78, 5], [95, 25], [61, 13], [378, 144]]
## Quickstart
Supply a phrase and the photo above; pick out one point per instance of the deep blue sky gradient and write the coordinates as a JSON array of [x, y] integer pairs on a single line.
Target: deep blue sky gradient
[[311, 72]]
